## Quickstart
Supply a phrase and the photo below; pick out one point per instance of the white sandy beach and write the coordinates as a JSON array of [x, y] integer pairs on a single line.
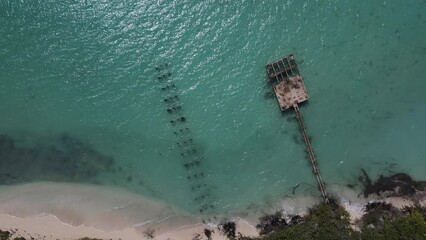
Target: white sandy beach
[[73, 211]]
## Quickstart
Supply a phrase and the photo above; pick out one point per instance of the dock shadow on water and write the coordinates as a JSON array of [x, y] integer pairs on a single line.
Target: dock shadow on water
[[63, 159]]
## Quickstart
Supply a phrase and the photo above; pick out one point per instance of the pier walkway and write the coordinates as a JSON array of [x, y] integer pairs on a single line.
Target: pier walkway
[[290, 91], [311, 155]]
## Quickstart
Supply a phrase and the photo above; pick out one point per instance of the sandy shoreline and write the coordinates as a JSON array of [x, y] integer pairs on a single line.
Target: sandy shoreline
[[73, 211], [51, 228]]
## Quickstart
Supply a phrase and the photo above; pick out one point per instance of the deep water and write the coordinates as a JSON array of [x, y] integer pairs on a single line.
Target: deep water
[[80, 99]]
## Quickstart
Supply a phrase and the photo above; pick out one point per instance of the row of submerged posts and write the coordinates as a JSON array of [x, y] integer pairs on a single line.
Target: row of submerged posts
[[191, 157]]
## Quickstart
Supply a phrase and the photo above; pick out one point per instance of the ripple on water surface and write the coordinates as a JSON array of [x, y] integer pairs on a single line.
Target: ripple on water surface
[[87, 71]]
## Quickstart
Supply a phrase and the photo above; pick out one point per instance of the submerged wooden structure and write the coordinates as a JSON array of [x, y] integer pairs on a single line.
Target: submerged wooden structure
[[290, 91], [192, 158]]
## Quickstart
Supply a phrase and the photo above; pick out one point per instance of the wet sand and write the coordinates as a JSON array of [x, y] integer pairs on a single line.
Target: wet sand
[[72, 211]]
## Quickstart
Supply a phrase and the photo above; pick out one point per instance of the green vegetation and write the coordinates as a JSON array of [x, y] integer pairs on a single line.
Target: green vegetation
[[381, 221], [4, 235], [395, 224], [228, 229], [322, 222]]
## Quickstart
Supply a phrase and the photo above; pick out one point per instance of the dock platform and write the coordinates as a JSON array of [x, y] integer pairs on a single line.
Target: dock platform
[[286, 81], [290, 91]]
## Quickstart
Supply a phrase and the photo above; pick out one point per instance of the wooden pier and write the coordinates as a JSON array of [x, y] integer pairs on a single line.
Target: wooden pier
[[290, 91]]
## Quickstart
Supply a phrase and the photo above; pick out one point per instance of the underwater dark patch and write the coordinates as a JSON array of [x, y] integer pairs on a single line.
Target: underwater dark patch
[[399, 184], [66, 159]]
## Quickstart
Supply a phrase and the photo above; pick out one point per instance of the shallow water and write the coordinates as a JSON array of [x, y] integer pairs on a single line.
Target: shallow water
[[86, 70]]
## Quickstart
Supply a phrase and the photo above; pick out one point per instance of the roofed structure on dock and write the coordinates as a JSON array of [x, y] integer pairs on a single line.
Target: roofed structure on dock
[[287, 82]]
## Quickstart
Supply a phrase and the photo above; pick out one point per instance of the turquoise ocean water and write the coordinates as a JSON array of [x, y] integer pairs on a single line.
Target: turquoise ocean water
[[80, 100]]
